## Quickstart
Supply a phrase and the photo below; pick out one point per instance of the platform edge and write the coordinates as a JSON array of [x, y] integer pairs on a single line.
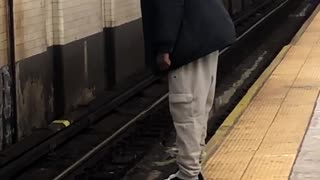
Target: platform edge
[[305, 26], [232, 118]]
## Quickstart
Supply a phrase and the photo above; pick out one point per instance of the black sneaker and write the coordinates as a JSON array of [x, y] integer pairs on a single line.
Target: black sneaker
[[174, 177], [200, 177]]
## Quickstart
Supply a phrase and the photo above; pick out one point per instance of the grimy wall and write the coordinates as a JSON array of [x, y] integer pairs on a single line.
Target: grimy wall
[[67, 51]]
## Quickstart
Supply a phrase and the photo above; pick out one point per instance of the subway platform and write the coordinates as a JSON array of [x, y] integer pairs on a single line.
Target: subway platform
[[274, 132]]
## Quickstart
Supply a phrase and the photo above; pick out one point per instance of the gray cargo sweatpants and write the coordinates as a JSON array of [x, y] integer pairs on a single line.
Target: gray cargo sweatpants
[[191, 95]]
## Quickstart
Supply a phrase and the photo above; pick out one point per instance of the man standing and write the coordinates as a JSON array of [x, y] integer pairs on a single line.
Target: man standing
[[184, 37]]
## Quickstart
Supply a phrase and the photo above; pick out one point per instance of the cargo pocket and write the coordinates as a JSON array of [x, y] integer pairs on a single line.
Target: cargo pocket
[[181, 107]]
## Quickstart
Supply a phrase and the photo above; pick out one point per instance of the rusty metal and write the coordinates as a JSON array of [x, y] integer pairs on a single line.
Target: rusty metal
[[11, 104]]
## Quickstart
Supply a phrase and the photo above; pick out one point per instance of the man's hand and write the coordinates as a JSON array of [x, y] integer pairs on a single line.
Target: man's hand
[[164, 61]]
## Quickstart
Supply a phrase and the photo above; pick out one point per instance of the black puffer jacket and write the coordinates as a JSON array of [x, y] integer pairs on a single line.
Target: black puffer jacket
[[187, 29]]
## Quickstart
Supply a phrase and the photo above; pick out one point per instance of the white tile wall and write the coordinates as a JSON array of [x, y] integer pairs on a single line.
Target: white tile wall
[[43, 23]]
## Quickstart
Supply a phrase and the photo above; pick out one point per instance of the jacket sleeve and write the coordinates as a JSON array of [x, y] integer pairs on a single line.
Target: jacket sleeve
[[168, 20]]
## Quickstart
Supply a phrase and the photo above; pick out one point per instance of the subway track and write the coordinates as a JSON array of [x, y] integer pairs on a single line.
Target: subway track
[[110, 140]]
